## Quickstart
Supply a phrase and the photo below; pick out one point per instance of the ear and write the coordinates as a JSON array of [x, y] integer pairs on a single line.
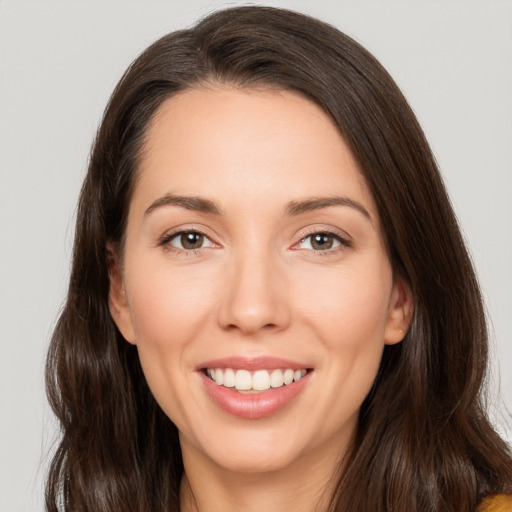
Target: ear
[[401, 307], [117, 301]]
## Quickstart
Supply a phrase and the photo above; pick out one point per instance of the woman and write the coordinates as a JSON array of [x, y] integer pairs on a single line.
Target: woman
[[263, 311]]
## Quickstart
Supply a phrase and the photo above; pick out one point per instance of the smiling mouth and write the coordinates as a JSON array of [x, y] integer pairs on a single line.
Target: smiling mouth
[[245, 381]]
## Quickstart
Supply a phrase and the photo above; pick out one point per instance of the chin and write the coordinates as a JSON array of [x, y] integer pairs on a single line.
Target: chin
[[250, 463], [248, 450]]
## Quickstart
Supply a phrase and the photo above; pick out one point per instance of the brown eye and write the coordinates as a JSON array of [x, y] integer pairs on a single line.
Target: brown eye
[[188, 241], [191, 240], [322, 241]]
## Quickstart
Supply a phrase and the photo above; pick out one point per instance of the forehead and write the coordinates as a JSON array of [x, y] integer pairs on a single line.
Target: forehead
[[205, 140]]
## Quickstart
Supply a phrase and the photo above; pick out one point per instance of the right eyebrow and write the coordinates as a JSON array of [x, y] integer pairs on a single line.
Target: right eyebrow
[[195, 203]]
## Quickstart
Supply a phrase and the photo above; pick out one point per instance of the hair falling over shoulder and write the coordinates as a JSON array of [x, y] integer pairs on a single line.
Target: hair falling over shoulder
[[424, 441]]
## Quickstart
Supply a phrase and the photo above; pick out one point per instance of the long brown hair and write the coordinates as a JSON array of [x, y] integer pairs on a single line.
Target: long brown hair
[[424, 442]]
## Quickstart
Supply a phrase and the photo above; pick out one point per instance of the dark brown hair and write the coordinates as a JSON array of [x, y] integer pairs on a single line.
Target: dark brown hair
[[424, 442]]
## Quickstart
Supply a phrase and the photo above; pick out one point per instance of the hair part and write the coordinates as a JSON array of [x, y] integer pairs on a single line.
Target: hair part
[[424, 441]]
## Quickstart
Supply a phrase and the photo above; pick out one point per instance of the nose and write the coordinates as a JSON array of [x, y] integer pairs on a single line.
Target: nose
[[254, 298]]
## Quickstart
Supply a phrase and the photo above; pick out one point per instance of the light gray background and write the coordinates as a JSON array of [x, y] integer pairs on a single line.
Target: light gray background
[[59, 61]]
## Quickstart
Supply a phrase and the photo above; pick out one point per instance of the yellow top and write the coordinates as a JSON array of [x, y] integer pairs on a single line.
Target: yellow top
[[497, 503]]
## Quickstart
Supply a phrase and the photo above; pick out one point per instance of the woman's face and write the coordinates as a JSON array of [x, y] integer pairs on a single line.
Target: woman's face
[[254, 259]]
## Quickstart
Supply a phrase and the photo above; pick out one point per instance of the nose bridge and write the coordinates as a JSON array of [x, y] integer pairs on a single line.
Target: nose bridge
[[254, 296]]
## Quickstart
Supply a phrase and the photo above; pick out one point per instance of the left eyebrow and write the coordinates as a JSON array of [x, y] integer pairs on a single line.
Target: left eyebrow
[[318, 203]]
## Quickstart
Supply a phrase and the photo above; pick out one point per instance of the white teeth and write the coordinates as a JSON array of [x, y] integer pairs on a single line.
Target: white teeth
[[229, 378], [288, 376], [260, 380], [298, 374], [276, 379], [243, 380]]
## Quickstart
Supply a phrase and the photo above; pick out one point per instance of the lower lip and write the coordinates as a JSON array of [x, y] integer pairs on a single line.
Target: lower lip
[[257, 405]]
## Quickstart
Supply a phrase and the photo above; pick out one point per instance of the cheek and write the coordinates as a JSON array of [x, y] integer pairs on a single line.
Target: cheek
[[347, 315], [167, 305], [168, 308], [350, 305]]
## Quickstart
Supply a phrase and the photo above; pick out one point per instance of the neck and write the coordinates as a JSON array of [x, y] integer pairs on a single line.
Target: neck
[[306, 486]]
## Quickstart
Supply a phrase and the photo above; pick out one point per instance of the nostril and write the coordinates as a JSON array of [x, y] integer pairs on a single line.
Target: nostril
[[248, 328]]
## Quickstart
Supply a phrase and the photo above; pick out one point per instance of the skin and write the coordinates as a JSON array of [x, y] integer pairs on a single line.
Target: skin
[[256, 287]]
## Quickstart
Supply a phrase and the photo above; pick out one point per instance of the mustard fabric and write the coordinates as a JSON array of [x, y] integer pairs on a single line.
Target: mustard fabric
[[497, 503]]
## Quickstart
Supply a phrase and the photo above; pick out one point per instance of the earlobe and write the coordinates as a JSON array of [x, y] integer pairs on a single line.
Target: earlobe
[[401, 308], [117, 301]]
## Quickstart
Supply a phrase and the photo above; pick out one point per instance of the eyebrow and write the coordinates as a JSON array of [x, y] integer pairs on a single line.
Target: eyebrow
[[198, 204], [318, 203], [294, 208]]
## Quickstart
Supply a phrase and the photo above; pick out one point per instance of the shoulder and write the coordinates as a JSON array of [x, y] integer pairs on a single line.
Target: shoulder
[[496, 503]]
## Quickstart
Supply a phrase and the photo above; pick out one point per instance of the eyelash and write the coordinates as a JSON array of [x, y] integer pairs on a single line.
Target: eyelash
[[343, 242], [166, 241]]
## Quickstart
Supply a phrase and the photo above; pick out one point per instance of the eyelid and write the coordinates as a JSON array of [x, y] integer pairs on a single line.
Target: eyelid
[[342, 237], [180, 230], [177, 237]]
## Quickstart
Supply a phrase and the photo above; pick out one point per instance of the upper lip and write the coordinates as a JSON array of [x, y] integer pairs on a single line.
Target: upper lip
[[252, 363]]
